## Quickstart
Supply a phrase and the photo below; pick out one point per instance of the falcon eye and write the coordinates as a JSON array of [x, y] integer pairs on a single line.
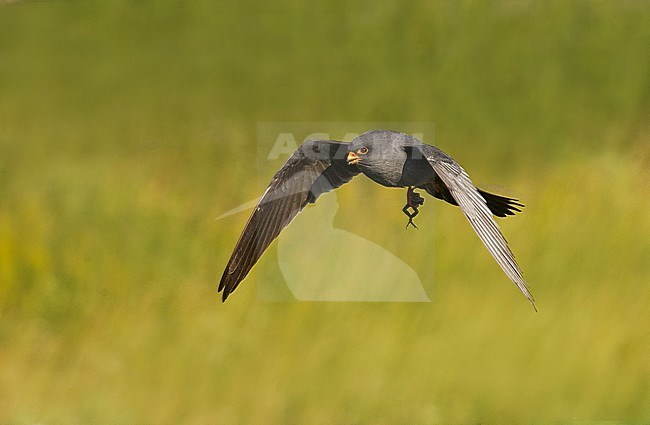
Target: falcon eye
[[362, 151]]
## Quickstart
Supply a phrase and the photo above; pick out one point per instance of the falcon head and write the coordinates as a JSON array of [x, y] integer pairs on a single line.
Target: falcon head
[[378, 146], [355, 156]]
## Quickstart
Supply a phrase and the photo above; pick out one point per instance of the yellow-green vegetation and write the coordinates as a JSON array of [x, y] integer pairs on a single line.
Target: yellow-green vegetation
[[127, 128]]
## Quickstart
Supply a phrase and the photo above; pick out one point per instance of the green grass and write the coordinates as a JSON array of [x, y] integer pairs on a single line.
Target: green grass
[[126, 128]]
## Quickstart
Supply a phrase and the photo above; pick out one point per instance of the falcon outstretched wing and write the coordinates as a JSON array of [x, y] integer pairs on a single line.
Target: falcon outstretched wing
[[475, 208], [316, 167]]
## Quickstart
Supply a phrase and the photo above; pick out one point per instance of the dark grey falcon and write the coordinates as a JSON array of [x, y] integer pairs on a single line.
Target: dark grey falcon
[[389, 158]]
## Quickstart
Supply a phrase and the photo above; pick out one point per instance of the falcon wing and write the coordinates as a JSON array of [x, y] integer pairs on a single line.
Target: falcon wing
[[316, 167], [475, 208]]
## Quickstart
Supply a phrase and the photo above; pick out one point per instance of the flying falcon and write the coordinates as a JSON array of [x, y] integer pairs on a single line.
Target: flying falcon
[[389, 158]]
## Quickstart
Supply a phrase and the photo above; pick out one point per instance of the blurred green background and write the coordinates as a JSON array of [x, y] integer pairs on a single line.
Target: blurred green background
[[127, 127]]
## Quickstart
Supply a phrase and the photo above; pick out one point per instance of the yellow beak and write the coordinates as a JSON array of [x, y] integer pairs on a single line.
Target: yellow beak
[[352, 158]]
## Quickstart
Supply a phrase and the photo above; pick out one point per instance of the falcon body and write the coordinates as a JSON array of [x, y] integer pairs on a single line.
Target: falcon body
[[389, 158]]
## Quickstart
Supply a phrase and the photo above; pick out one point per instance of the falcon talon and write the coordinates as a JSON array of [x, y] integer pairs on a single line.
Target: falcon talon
[[413, 199]]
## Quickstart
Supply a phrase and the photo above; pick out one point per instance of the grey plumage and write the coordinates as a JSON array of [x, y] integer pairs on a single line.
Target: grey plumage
[[318, 166], [389, 158], [475, 208]]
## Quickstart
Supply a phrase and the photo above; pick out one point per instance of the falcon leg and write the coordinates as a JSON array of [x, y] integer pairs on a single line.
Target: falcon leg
[[413, 201]]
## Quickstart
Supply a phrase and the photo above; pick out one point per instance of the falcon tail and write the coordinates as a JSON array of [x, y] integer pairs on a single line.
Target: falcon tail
[[500, 206]]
